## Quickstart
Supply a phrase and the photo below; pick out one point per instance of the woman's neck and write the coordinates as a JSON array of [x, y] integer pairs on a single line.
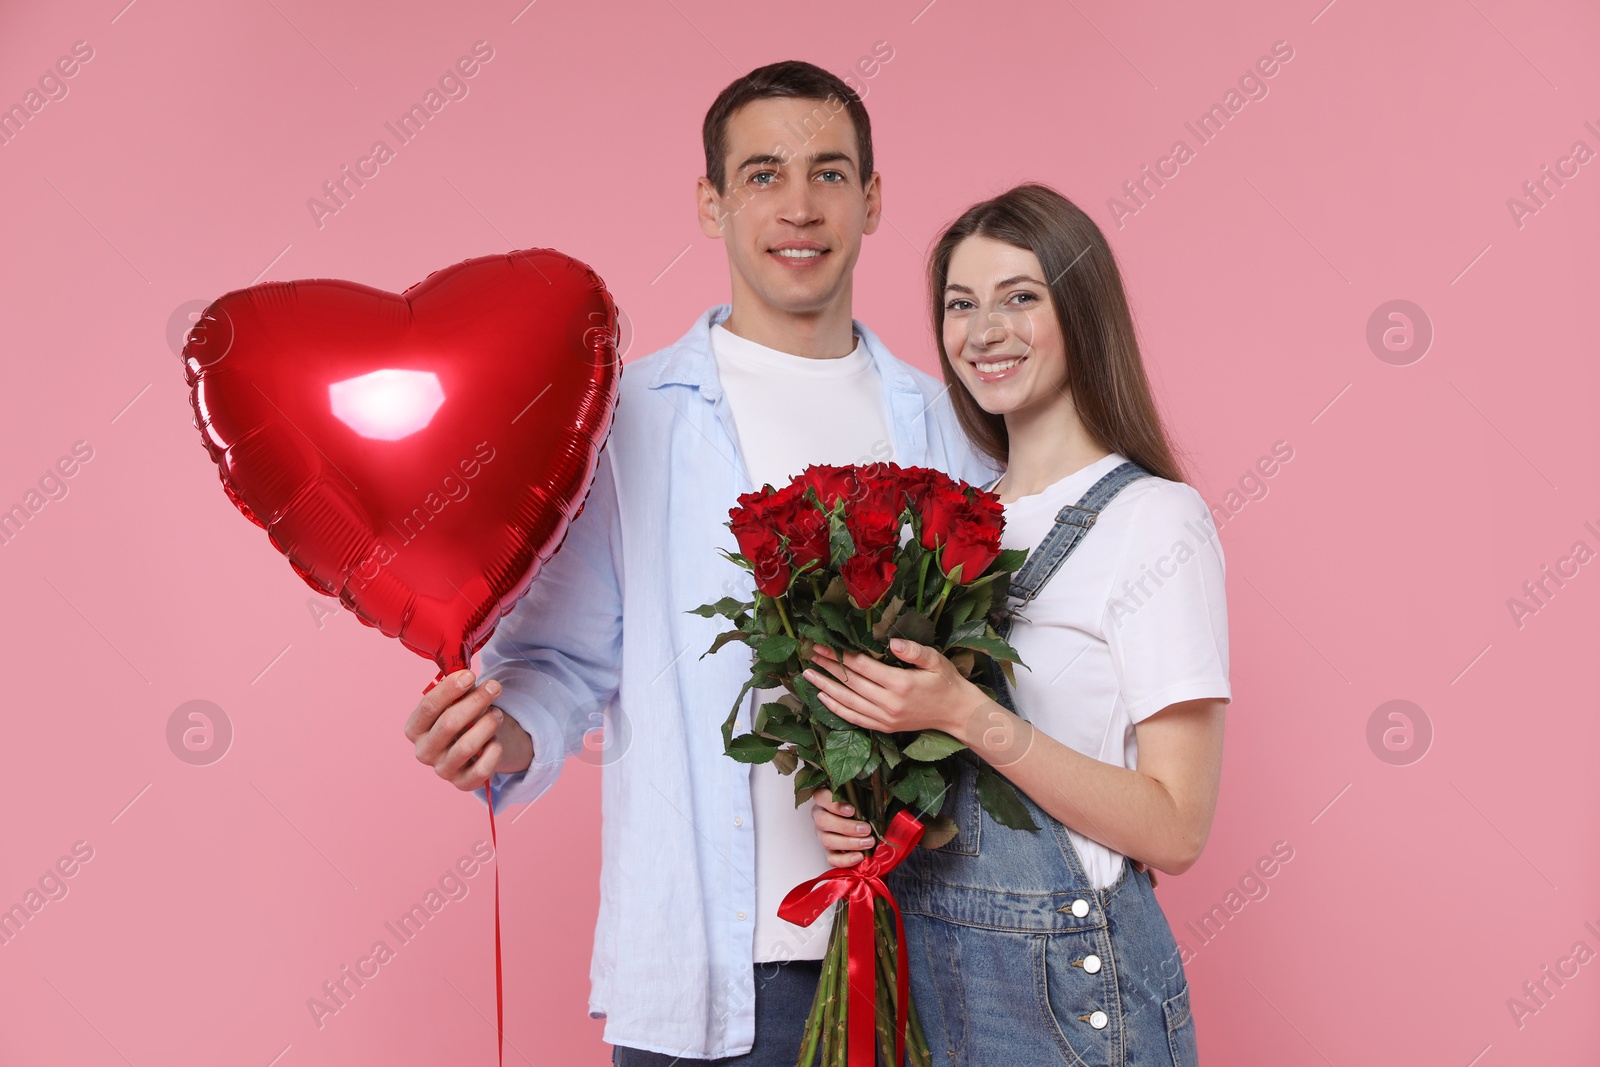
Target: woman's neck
[[1045, 446]]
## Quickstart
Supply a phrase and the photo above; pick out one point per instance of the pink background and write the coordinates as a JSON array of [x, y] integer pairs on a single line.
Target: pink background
[[1377, 567]]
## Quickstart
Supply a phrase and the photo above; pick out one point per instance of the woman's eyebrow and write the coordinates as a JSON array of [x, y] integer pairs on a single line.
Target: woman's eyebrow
[[1014, 279]]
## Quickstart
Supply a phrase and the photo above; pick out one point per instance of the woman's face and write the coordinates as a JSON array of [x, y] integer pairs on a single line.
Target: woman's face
[[1000, 327]]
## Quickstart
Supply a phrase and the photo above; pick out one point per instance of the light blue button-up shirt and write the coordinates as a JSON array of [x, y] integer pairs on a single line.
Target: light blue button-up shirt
[[603, 636]]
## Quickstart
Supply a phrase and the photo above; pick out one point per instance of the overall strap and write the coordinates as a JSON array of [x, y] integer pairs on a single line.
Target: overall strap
[[1072, 522]]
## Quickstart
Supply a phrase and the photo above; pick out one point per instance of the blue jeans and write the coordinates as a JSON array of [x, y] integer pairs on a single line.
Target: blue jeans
[[1017, 959], [784, 992]]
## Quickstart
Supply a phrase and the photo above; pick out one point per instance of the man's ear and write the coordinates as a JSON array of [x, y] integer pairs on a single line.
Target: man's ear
[[708, 207], [874, 195]]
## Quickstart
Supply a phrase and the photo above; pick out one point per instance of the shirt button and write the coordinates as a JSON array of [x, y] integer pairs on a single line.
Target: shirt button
[[738, 820], [1098, 1020], [741, 916], [1091, 964], [1080, 908]]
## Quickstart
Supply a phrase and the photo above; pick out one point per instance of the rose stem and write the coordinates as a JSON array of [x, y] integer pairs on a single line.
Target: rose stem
[[922, 574], [783, 615], [916, 1043], [831, 1008], [813, 1028]]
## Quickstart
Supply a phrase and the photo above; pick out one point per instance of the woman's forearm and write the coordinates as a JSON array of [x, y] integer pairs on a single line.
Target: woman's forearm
[[1125, 810]]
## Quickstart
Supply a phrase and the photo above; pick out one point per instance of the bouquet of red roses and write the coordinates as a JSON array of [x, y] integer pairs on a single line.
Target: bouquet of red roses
[[849, 557]]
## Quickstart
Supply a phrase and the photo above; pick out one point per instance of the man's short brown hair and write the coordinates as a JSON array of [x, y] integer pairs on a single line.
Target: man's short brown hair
[[791, 78]]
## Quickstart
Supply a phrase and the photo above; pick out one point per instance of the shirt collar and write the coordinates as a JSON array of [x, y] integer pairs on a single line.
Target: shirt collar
[[690, 360]]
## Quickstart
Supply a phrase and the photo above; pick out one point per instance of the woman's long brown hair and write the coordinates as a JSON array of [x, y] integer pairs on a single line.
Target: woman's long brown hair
[[1105, 375]]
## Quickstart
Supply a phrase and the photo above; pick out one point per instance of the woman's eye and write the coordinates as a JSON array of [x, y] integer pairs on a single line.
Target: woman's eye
[[1026, 297], [956, 305]]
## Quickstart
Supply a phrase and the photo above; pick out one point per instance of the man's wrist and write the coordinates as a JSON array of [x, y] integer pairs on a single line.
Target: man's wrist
[[516, 746]]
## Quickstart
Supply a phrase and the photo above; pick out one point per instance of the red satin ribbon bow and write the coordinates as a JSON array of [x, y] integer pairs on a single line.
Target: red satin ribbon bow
[[861, 884]]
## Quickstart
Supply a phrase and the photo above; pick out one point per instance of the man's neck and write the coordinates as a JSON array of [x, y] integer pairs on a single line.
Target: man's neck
[[823, 334]]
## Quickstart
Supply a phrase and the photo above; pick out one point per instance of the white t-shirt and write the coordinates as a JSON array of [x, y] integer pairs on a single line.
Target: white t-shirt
[[1134, 620], [790, 412]]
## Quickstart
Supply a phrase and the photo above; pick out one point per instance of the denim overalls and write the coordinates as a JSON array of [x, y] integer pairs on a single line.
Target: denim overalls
[[1016, 959]]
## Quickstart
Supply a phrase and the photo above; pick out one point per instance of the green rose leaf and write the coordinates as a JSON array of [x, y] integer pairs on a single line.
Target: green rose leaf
[[722, 639], [751, 748], [1010, 560], [793, 732], [880, 628], [836, 620], [913, 626], [976, 634], [961, 610], [921, 789], [727, 606], [806, 782], [818, 634], [999, 798], [819, 711], [846, 754], [738, 702], [940, 831], [841, 546], [777, 648], [931, 746]]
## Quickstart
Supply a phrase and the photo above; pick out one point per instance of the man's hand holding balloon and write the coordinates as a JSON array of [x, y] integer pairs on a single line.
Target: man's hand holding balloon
[[464, 737]]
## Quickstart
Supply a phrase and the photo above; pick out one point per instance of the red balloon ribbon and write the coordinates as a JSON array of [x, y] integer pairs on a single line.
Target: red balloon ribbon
[[499, 983], [861, 885]]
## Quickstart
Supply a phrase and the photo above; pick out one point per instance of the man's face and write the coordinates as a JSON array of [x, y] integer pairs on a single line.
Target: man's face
[[795, 203]]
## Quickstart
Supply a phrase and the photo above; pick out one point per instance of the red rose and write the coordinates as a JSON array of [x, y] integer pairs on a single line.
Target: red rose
[[788, 498], [917, 482], [883, 489], [873, 527], [941, 508], [972, 546], [868, 576], [831, 483], [988, 504], [746, 524], [809, 537], [747, 512], [752, 501], [762, 548]]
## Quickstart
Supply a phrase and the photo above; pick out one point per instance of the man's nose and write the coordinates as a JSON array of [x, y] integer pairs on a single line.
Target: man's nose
[[799, 205]]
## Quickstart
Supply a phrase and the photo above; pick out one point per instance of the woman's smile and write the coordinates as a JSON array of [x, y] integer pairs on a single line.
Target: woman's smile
[[993, 368]]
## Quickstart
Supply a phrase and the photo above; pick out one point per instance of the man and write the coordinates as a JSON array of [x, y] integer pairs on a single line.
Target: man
[[690, 959]]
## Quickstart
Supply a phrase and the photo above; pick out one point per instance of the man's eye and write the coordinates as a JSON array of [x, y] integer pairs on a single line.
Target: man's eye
[[835, 173], [762, 174]]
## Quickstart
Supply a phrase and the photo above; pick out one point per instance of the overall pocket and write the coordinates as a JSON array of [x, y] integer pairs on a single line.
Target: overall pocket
[[962, 804], [1180, 1029]]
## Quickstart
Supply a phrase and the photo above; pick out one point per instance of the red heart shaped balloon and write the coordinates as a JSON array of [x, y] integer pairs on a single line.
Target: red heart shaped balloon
[[418, 456]]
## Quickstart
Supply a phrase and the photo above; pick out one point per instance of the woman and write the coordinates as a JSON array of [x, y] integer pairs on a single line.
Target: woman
[[1048, 946]]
